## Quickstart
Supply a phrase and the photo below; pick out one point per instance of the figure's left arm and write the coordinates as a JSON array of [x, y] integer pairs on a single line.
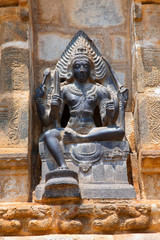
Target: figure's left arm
[[109, 107]]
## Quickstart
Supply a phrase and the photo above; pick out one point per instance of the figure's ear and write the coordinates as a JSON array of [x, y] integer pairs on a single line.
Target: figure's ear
[[69, 74], [93, 75]]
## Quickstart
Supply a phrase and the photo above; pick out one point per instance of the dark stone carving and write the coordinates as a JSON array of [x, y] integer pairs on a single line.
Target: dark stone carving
[[92, 142]]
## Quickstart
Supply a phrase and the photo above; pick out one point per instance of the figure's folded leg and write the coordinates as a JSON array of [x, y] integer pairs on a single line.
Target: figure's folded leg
[[106, 134], [96, 134]]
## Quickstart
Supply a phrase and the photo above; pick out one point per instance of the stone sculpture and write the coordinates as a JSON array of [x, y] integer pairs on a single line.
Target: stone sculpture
[[79, 152]]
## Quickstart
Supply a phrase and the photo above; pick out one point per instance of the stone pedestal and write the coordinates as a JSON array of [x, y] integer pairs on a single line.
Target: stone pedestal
[[101, 169]]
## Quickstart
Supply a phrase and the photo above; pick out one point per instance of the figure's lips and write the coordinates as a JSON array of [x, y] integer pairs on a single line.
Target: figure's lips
[[82, 75]]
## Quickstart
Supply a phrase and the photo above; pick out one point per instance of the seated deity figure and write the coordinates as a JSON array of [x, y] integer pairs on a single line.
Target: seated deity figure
[[75, 82]]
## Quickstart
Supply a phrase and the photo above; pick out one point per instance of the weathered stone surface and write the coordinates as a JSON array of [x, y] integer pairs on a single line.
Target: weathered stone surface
[[107, 224], [146, 74], [71, 219], [12, 226], [4, 112], [151, 61], [150, 170], [107, 218], [129, 128], [95, 13], [138, 70], [14, 186], [14, 109], [51, 46], [7, 3], [14, 120], [150, 19], [14, 69], [148, 133], [47, 14], [12, 160], [9, 13], [135, 171], [22, 2], [137, 12], [137, 236], [70, 226], [148, 1], [153, 116], [24, 120], [19, 217], [24, 13], [129, 236], [119, 50], [147, 48], [84, 218], [121, 76], [13, 31]]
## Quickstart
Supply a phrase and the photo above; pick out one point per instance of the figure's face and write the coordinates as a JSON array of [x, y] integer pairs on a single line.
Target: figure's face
[[81, 70]]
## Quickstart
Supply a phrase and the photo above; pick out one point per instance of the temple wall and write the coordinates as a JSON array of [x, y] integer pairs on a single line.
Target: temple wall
[[33, 37], [14, 101], [146, 94]]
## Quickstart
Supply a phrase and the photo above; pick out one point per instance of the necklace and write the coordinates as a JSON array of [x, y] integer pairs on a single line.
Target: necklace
[[89, 89]]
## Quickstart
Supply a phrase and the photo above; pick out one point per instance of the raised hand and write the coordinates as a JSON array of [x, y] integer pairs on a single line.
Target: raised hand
[[112, 110], [40, 92], [110, 106], [123, 94], [56, 100]]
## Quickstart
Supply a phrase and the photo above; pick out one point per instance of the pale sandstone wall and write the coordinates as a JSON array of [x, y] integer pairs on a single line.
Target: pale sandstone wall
[[14, 101], [146, 94]]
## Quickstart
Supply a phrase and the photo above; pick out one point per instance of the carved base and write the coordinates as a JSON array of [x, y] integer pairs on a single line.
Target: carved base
[[85, 217]]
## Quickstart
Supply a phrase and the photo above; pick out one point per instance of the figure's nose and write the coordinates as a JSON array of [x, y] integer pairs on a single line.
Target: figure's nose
[[81, 68]]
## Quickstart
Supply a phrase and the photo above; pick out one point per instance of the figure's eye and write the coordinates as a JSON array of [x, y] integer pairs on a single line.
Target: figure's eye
[[86, 65], [76, 66]]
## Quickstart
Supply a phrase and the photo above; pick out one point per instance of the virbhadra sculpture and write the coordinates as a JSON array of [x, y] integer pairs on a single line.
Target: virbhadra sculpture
[[76, 82]]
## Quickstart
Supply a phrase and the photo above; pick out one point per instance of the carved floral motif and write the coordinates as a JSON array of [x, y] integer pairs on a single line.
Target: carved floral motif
[[154, 120]]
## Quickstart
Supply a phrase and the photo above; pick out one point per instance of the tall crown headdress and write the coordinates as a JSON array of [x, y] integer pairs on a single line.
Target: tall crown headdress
[[80, 47]]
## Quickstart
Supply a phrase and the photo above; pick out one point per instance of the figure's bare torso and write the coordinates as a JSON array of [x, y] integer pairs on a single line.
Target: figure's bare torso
[[82, 103]]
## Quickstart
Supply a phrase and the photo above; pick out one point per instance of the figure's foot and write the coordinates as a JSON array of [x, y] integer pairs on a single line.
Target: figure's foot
[[63, 167], [71, 137]]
